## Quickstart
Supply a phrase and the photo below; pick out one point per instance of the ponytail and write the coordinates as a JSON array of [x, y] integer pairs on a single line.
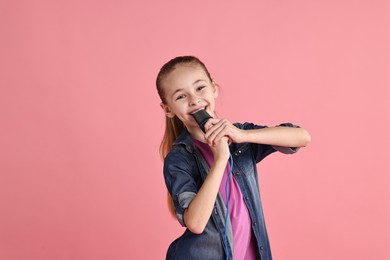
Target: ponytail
[[173, 128]]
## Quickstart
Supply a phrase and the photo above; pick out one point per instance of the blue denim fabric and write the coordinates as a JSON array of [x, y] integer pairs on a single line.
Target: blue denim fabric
[[185, 169]]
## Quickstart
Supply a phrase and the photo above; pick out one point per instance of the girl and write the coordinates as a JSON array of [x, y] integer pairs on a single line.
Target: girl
[[212, 177]]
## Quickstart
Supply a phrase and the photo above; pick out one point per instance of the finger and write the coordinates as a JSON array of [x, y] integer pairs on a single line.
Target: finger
[[224, 129], [215, 133], [212, 121], [209, 126], [220, 132]]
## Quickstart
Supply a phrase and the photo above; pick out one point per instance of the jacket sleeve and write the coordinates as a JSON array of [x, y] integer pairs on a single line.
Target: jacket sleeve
[[180, 182], [260, 151], [263, 150]]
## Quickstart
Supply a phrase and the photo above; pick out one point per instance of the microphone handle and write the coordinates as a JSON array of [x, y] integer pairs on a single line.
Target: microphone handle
[[201, 117]]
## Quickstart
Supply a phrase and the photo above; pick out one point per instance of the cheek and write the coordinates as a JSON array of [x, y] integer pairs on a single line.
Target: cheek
[[177, 108], [212, 97]]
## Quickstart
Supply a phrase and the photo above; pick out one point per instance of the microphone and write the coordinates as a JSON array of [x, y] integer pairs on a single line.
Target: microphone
[[201, 117]]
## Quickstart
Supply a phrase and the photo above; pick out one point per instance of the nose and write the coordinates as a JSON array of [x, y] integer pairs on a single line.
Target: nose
[[193, 100]]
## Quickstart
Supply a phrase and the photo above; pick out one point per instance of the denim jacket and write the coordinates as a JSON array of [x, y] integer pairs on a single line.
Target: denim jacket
[[185, 169]]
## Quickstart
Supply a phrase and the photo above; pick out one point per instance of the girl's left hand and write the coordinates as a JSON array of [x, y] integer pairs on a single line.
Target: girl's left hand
[[217, 128]]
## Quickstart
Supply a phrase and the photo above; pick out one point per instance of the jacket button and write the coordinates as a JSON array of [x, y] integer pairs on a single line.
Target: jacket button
[[238, 173], [261, 248], [254, 223]]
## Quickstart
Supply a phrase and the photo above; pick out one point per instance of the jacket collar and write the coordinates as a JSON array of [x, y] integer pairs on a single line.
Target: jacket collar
[[186, 140]]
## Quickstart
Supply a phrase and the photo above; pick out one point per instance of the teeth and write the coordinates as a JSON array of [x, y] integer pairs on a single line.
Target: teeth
[[202, 108]]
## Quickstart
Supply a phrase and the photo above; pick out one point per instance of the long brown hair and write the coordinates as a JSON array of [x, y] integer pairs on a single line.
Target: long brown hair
[[173, 126]]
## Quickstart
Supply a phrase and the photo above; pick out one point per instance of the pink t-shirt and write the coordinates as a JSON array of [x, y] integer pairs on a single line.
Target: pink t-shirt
[[244, 240]]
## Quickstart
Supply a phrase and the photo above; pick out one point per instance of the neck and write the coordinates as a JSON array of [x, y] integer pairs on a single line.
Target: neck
[[196, 133]]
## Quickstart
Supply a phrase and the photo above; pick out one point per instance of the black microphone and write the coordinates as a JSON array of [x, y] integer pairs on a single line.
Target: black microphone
[[201, 117]]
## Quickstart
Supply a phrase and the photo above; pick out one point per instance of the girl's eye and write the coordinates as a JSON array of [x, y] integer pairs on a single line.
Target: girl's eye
[[180, 97], [200, 88]]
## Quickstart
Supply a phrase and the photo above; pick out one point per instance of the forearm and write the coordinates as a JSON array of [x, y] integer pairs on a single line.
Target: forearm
[[278, 136], [199, 211]]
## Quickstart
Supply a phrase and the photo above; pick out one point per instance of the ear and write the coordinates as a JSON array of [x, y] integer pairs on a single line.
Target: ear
[[215, 88], [167, 110]]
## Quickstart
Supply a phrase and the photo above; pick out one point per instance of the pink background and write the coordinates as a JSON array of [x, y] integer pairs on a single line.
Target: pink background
[[80, 127]]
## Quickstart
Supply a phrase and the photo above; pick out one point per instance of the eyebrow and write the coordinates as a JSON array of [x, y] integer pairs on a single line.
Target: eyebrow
[[197, 81], [180, 89]]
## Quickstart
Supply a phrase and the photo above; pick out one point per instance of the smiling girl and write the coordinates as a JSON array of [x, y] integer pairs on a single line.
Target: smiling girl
[[212, 177]]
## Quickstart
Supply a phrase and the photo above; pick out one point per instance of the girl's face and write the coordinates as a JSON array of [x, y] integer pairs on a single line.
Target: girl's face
[[188, 89]]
